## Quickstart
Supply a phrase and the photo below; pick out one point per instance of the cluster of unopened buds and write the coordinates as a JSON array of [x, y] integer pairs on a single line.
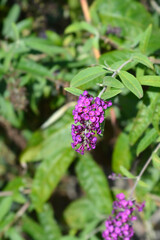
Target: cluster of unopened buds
[[88, 115], [119, 225]]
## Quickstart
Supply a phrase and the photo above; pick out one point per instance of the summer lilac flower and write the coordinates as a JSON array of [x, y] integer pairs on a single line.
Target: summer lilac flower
[[88, 114], [119, 225]]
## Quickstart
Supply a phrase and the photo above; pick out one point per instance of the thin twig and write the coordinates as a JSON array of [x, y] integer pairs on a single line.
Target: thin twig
[[155, 6], [85, 9], [143, 169], [86, 13], [59, 113], [113, 75], [154, 60], [19, 214], [109, 41], [10, 193], [5, 193]]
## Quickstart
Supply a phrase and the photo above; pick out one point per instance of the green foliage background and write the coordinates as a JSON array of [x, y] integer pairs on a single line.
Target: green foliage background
[[47, 190]]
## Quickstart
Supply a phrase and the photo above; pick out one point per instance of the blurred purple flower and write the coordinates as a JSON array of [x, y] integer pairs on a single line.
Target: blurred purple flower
[[119, 225]]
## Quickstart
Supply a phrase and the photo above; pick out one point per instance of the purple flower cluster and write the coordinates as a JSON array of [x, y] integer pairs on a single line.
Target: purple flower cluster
[[119, 225], [89, 113]]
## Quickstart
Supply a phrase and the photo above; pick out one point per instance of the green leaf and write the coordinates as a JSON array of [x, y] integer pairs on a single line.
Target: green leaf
[[156, 160], [149, 137], [140, 58], [13, 234], [54, 37], [79, 213], [33, 68], [41, 145], [32, 228], [43, 46], [48, 176], [95, 237], [7, 60], [31, 154], [112, 58], [5, 205], [69, 238], [79, 26], [110, 93], [156, 116], [87, 75], [131, 83], [24, 24], [126, 173], [140, 124], [143, 119], [11, 18], [154, 43], [74, 91], [121, 153], [15, 32], [112, 82], [150, 80], [130, 16], [7, 221], [14, 186], [94, 183], [145, 39], [50, 226], [89, 228], [139, 72], [8, 112]]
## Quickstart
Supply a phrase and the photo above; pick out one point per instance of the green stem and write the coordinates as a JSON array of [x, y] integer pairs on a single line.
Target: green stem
[[114, 74], [143, 169]]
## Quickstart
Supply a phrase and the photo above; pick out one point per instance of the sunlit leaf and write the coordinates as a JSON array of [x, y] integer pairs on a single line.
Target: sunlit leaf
[[33, 68], [112, 82], [149, 137], [126, 173], [79, 26], [43, 46], [110, 93], [44, 143], [79, 213], [11, 18], [5, 205], [143, 119], [7, 221], [94, 183], [130, 16], [32, 228], [87, 75], [131, 83], [121, 154], [145, 39], [156, 160], [14, 234], [74, 91], [150, 80], [48, 176], [69, 238], [140, 58], [156, 116], [50, 226]]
